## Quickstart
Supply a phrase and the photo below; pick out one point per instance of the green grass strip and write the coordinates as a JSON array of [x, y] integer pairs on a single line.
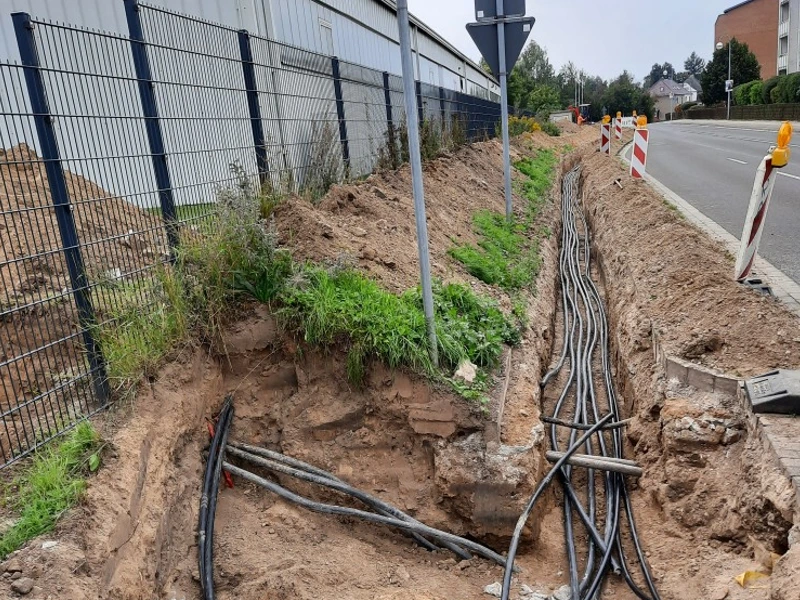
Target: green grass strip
[[505, 255], [53, 484], [344, 306]]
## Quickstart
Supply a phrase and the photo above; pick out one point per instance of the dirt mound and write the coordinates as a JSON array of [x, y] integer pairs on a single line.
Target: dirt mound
[[34, 275], [30, 228], [683, 279]]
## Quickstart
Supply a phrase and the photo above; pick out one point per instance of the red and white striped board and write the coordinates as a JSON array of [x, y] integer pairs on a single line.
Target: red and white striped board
[[639, 154], [763, 186], [605, 138], [618, 128]]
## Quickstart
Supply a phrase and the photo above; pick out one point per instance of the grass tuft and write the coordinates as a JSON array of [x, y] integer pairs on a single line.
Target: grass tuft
[[343, 306], [53, 484]]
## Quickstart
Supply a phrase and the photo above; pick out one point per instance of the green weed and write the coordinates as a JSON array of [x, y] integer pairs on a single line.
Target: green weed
[[343, 306], [142, 325], [53, 484]]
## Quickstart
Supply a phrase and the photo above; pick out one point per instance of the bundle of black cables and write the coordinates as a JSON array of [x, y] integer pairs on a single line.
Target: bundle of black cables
[[589, 388], [208, 501]]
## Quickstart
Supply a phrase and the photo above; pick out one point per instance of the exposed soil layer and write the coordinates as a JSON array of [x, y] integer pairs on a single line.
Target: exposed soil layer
[[708, 507], [724, 505]]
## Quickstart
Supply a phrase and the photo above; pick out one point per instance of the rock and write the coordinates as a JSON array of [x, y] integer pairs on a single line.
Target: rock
[[327, 231], [368, 254], [389, 263], [719, 594], [48, 545], [22, 586], [794, 538], [15, 576], [731, 436], [359, 232], [402, 574], [466, 371], [379, 193], [13, 566], [562, 593], [494, 589]]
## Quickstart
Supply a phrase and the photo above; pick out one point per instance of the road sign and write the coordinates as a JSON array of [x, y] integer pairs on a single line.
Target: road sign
[[487, 9], [729, 85], [485, 37]]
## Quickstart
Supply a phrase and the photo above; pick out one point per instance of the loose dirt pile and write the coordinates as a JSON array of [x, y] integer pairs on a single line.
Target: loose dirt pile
[[724, 506], [34, 275]]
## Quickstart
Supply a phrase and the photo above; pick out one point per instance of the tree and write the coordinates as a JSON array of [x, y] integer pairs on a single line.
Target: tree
[[624, 95], [744, 69], [694, 65], [657, 74], [681, 77], [532, 69], [545, 98]]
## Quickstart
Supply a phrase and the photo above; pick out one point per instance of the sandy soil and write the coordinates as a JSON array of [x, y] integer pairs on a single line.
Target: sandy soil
[[420, 448], [33, 275]]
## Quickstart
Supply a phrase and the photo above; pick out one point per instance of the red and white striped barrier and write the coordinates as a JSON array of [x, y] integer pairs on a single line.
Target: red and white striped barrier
[[618, 128], [641, 137], [605, 138], [763, 187], [756, 216]]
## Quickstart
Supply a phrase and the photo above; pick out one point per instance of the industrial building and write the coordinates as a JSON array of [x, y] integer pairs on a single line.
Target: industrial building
[[357, 31]]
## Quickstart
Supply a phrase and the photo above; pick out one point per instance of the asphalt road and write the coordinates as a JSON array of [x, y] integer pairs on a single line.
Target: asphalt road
[[712, 166]]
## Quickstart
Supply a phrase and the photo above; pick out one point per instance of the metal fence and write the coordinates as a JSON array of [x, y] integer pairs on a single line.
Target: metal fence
[[111, 146]]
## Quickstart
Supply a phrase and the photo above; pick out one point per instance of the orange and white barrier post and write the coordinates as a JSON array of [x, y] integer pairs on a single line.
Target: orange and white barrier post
[[763, 187], [605, 136], [641, 137], [618, 127]]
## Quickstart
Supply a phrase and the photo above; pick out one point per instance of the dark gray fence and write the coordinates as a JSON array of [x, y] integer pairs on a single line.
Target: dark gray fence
[[765, 112], [111, 146]]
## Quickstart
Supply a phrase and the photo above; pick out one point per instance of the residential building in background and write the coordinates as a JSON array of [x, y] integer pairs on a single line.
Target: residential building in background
[[668, 94], [755, 23], [788, 37], [357, 31]]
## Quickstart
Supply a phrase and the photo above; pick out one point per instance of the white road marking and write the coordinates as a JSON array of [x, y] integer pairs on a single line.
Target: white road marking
[[736, 160], [788, 175]]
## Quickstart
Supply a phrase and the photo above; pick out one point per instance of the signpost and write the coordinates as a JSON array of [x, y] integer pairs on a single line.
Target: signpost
[[500, 34], [415, 159]]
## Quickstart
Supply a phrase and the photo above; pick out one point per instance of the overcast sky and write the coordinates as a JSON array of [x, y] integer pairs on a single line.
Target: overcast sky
[[633, 35]]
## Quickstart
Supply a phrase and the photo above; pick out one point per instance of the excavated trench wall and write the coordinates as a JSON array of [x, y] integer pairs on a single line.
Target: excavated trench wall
[[708, 476]]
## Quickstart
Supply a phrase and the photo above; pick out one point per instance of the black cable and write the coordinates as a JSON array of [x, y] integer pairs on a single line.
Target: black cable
[[322, 478], [366, 516], [523, 519], [208, 501]]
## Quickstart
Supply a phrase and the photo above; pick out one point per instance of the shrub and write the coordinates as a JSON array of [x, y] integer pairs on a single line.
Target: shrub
[[519, 125], [687, 106], [741, 94], [775, 95], [551, 129], [768, 87], [756, 93]]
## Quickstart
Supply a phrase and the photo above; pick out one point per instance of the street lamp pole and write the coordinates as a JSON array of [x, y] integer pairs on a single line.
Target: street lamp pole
[[720, 46], [730, 48]]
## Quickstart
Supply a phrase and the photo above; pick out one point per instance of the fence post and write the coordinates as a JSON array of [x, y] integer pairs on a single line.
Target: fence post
[[252, 104], [390, 131], [337, 89], [442, 105], [154, 135], [23, 28], [420, 107]]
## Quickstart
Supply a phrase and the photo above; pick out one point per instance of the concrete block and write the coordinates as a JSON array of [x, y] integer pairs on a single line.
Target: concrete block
[[787, 450], [676, 370], [701, 380], [726, 385]]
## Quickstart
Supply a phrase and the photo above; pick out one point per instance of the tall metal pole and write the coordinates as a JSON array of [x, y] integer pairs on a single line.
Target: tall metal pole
[[501, 45], [730, 47], [412, 122]]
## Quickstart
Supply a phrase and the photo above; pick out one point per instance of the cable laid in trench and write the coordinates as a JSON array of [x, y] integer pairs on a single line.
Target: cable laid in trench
[[208, 499], [603, 510]]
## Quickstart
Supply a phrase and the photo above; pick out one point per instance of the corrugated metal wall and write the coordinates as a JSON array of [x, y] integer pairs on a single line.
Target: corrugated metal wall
[[108, 15], [359, 31]]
